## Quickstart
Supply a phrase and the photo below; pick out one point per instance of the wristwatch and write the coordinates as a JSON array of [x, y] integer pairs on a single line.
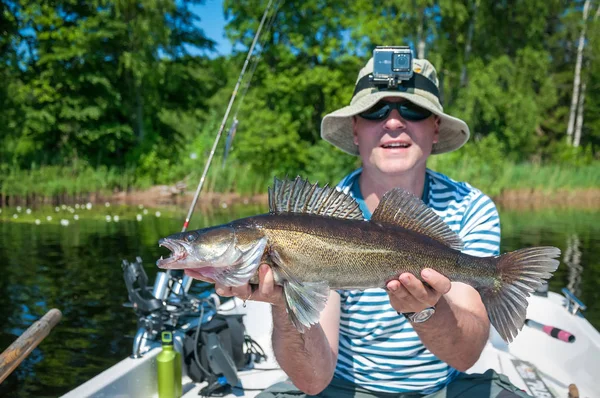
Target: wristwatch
[[421, 316]]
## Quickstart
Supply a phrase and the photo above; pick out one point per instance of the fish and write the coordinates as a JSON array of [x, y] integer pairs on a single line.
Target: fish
[[316, 239]]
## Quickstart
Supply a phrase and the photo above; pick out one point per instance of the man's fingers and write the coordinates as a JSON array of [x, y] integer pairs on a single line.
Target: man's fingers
[[410, 294], [224, 291], [266, 290], [416, 288], [266, 280], [397, 290], [237, 291], [196, 275], [437, 281]]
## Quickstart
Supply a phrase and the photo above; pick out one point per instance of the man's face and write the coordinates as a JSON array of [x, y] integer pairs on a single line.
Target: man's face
[[395, 145]]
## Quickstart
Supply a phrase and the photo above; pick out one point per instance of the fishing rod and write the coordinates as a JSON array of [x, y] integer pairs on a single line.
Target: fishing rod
[[184, 285], [225, 117]]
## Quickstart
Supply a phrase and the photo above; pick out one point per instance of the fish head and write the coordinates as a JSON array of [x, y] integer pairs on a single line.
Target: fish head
[[211, 247]]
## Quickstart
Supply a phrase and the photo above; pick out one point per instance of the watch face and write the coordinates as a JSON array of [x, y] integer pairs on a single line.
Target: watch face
[[423, 315]]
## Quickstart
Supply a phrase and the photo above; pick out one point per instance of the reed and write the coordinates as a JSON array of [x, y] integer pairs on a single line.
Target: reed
[[496, 177], [56, 184]]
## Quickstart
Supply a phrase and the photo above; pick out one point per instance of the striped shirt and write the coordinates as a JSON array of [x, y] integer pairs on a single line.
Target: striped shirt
[[379, 349]]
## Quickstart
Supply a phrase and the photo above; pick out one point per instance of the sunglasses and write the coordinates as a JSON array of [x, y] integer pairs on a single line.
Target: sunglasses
[[407, 110]]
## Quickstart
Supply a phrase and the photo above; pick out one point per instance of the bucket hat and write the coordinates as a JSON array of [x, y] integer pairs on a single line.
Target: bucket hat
[[422, 90]]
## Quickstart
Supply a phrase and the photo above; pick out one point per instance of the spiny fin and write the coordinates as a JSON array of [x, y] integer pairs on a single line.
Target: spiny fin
[[520, 273], [304, 301], [400, 207], [299, 196]]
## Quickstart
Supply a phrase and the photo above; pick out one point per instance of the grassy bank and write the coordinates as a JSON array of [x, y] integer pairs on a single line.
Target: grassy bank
[[494, 179], [56, 185]]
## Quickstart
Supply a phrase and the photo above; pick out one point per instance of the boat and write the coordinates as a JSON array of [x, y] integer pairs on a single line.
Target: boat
[[557, 353]]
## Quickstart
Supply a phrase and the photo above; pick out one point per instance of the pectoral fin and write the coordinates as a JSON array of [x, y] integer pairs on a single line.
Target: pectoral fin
[[304, 303], [304, 300]]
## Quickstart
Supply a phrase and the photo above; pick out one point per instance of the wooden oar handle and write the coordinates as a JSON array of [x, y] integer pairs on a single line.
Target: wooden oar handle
[[24, 344]]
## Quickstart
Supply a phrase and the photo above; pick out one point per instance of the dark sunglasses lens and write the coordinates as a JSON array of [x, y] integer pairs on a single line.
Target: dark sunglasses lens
[[412, 112], [377, 112]]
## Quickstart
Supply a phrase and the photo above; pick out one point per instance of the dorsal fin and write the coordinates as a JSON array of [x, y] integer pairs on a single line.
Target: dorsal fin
[[299, 196], [400, 207]]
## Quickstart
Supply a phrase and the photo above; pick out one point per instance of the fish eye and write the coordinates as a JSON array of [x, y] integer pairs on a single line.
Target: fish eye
[[190, 237]]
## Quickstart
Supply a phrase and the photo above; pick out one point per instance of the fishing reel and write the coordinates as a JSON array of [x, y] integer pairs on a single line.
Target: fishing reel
[[162, 306], [143, 301]]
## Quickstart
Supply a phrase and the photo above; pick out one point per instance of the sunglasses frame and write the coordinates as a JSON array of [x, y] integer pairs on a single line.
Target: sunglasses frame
[[406, 109]]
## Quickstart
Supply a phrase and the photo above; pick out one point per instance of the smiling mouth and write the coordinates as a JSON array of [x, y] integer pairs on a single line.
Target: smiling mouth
[[178, 253], [395, 145]]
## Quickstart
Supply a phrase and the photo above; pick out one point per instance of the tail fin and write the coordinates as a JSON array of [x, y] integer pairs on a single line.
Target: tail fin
[[519, 274]]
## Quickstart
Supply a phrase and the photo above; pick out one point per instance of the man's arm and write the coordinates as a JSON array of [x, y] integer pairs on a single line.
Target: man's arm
[[308, 358], [458, 330]]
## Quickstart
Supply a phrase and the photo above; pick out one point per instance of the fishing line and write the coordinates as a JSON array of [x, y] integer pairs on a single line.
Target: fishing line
[[255, 62], [257, 57]]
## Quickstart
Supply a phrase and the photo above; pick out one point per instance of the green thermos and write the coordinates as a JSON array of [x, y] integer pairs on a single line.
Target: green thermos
[[168, 365]]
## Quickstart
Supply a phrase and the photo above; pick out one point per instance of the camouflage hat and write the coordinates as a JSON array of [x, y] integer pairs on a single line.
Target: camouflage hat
[[421, 90]]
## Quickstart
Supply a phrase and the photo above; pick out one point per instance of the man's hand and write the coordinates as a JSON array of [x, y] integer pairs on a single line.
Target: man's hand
[[267, 290], [409, 294]]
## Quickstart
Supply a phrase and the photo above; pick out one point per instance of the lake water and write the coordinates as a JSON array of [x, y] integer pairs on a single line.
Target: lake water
[[77, 269]]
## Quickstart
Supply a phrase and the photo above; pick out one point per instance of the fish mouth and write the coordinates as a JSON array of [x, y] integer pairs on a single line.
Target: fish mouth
[[178, 253]]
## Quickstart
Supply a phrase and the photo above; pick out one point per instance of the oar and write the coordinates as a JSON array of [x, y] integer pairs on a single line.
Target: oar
[[24, 344]]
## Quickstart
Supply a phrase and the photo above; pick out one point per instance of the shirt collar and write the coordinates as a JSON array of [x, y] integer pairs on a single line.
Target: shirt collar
[[357, 195]]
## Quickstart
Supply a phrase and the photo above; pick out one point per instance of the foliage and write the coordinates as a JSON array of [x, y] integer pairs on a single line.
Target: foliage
[[130, 91]]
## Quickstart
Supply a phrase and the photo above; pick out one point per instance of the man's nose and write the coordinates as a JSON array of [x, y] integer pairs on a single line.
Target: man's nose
[[394, 121]]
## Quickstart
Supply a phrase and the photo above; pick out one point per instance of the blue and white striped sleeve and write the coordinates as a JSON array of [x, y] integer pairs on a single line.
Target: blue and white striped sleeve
[[480, 227]]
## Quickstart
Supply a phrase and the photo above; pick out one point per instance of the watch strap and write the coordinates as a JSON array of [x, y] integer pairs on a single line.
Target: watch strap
[[414, 316]]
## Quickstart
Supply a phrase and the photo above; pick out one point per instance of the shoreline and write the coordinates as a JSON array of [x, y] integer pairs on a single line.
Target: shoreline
[[171, 196], [514, 199]]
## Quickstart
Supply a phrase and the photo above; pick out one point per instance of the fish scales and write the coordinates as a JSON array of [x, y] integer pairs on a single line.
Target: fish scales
[[317, 248]]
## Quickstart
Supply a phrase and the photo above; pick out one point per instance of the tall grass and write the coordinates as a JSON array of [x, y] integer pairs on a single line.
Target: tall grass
[[233, 177], [53, 181], [491, 178], [59, 182]]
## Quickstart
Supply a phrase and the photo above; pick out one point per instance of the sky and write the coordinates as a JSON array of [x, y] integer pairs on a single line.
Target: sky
[[212, 22]]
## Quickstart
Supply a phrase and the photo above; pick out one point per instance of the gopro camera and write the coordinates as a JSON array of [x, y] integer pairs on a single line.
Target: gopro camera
[[392, 64]]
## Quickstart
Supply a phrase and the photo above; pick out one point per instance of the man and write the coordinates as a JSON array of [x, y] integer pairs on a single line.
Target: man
[[411, 339]]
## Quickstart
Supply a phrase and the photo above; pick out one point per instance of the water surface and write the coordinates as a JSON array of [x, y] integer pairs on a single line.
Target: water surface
[[77, 268]]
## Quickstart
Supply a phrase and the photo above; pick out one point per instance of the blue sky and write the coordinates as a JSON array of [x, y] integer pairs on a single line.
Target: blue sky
[[212, 23]]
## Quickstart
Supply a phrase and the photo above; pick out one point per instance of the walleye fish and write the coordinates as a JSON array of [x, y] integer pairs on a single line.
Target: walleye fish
[[316, 239]]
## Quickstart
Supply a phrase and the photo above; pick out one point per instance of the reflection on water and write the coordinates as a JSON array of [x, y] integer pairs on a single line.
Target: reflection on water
[[572, 259], [77, 268], [577, 234]]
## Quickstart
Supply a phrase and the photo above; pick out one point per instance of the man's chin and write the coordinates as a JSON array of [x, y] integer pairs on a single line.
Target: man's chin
[[394, 168]]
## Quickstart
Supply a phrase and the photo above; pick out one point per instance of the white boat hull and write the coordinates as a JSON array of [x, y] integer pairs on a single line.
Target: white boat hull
[[558, 363]]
